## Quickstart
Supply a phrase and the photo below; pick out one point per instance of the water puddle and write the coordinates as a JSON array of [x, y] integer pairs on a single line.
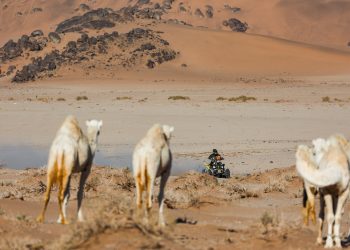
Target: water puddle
[[21, 157]]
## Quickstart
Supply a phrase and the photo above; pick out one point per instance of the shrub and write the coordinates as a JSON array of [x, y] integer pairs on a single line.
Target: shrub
[[178, 97]]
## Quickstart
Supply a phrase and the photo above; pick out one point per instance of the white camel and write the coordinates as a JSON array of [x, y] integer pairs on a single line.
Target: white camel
[[152, 158], [326, 167], [71, 152]]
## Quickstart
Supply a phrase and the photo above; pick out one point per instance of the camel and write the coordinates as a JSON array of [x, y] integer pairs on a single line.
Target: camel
[[71, 152], [326, 167], [152, 158]]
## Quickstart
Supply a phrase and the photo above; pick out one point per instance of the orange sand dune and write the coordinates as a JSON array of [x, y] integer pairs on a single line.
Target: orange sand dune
[[227, 53]]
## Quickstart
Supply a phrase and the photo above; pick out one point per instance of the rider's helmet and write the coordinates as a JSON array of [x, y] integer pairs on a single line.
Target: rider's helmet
[[215, 151]]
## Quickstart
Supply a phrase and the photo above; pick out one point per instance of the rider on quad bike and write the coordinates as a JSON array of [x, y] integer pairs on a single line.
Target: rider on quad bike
[[216, 167], [214, 158]]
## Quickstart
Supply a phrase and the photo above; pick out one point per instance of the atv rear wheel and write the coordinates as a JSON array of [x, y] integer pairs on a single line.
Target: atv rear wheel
[[227, 173]]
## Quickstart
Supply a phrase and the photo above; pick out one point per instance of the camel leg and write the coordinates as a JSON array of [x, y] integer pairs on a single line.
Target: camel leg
[[83, 177], [139, 190], [65, 201], [63, 183], [50, 180], [312, 210], [149, 193], [305, 207], [320, 220], [330, 220], [338, 214], [163, 182]]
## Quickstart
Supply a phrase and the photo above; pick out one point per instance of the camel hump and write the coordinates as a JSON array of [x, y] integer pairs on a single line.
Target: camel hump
[[71, 127]]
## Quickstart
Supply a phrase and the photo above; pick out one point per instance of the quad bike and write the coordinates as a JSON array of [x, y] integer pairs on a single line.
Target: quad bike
[[217, 170]]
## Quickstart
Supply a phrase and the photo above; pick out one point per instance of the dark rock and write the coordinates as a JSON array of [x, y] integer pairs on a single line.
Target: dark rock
[[233, 9], [115, 34], [236, 25], [143, 2], [198, 13], [10, 70], [167, 4], [24, 75], [84, 7], [92, 40], [136, 33], [102, 49], [71, 45], [24, 41], [146, 46], [94, 19], [36, 46], [163, 56], [182, 8], [54, 37], [12, 49], [156, 6], [37, 33], [84, 38], [150, 64], [349, 44], [209, 11], [98, 24]]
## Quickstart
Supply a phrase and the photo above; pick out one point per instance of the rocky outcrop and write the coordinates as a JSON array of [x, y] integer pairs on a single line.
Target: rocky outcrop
[[13, 49], [138, 46]]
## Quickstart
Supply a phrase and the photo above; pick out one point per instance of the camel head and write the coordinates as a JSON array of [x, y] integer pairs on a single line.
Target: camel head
[[93, 131], [168, 130]]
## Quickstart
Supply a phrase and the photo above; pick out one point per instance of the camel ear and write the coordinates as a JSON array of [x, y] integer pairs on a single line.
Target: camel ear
[[100, 123], [171, 129]]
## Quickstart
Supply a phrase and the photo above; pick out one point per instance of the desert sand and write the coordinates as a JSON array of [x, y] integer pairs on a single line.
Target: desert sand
[[291, 69]]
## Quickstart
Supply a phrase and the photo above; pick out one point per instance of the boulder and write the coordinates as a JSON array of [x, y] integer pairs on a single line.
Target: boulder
[[198, 13], [236, 25], [37, 33], [54, 37], [209, 11]]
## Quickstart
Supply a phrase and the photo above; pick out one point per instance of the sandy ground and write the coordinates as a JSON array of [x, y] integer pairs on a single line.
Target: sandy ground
[[254, 135], [259, 211]]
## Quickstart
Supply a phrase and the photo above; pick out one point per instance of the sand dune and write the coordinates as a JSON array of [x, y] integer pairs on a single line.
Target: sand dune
[[320, 22], [227, 53]]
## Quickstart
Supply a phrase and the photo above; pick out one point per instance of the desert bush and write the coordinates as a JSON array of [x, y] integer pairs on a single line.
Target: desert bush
[[120, 98], [220, 98], [112, 215], [178, 97], [61, 99], [326, 99], [80, 98], [242, 98], [185, 191], [19, 243], [275, 186]]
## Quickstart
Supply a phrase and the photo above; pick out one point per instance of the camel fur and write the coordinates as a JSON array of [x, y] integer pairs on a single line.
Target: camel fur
[[326, 167], [152, 158], [71, 152]]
